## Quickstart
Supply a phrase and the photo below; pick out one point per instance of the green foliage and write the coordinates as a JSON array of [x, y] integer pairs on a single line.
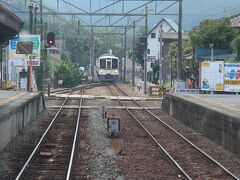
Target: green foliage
[[218, 32], [43, 70], [155, 68], [188, 65], [68, 72], [236, 46], [232, 60], [139, 52]]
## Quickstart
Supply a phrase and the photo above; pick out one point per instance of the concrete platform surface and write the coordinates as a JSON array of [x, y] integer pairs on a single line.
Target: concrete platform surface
[[219, 102], [12, 99], [17, 110]]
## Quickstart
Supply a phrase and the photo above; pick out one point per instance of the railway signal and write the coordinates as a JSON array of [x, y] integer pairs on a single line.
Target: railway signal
[[50, 39]]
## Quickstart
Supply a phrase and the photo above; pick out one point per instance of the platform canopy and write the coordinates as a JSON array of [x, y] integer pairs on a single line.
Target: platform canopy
[[10, 24]]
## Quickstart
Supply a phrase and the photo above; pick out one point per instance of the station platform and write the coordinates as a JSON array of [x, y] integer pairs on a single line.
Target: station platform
[[215, 116], [17, 109]]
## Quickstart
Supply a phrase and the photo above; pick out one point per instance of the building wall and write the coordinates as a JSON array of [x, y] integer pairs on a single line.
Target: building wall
[[154, 46]]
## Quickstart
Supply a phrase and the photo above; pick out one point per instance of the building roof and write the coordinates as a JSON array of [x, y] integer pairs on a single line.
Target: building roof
[[173, 25], [10, 24], [235, 20], [205, 53]]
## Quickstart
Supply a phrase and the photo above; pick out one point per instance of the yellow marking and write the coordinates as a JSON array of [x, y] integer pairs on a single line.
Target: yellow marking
[[11, 98]]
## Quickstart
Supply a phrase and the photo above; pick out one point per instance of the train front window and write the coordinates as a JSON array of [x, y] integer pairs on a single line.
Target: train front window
[[114, 63], [103, 63], [108, 64]]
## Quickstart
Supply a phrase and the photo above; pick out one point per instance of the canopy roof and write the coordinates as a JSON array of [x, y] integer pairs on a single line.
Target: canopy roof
[[10, 24]]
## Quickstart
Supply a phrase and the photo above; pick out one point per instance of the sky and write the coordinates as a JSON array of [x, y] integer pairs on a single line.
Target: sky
[[194, 11]]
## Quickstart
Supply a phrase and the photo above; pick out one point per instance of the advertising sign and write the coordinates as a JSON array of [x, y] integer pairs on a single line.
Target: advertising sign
[[22, 59], [212, 76], [232, 77]]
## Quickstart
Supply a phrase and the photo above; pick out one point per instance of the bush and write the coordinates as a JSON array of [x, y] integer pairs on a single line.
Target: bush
[[68, 72]]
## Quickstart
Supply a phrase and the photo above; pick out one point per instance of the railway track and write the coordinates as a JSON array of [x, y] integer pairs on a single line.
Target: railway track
[[191, 162], [53, 155]]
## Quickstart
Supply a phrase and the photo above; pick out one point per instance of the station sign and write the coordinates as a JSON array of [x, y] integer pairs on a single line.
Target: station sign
[[151, 58]]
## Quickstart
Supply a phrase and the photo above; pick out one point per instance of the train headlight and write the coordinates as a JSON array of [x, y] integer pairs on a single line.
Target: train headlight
[[116, 71], [101, 71]]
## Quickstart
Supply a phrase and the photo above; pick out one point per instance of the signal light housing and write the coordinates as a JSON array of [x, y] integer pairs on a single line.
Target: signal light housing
[[50, 39]]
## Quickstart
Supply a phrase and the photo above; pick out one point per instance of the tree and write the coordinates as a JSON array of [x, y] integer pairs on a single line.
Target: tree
[[68, 72], [236, 46], [218, 32]]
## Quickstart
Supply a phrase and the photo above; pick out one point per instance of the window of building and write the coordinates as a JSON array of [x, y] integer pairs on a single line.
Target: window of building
[[148, 51], [153, 35], [151, 65]]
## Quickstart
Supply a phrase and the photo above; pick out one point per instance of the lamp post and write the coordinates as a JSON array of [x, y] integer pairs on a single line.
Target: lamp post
[[211, 46], [160, 57]]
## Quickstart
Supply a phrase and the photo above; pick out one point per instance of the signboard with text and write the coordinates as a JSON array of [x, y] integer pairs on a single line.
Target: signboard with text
[[23, 59], [151, 58], [212, 76], [232, 77]]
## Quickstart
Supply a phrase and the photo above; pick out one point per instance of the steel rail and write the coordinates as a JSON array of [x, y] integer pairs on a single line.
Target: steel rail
[[185, 139], [152, 137], [75, 137], [40, 141]]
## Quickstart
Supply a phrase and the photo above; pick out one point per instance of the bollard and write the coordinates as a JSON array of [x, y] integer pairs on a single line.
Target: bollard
[[103, 111]]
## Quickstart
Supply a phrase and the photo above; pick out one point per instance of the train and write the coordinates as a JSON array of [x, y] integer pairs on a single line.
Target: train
[[107, 67]]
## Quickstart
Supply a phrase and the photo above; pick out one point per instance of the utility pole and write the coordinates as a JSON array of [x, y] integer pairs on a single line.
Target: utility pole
[[160, 58], [125, 55], [91, 53], [78, 41], [179, 64], [44, 57], [30, 7], [57, 5], [1, 59], [133, 54], [41, 20], [145, 52], [121, 65], [35, 18], [30, 59]]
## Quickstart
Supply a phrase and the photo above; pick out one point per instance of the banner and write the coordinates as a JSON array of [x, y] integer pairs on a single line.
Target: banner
[[232, 77], [22, 59], [212, 76]]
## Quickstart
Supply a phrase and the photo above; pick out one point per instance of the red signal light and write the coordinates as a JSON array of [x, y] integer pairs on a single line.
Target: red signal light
[[50, 39]]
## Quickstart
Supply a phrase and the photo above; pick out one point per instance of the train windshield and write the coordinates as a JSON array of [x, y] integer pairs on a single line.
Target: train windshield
[[108, 64], [114, 63], [103, 63]]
